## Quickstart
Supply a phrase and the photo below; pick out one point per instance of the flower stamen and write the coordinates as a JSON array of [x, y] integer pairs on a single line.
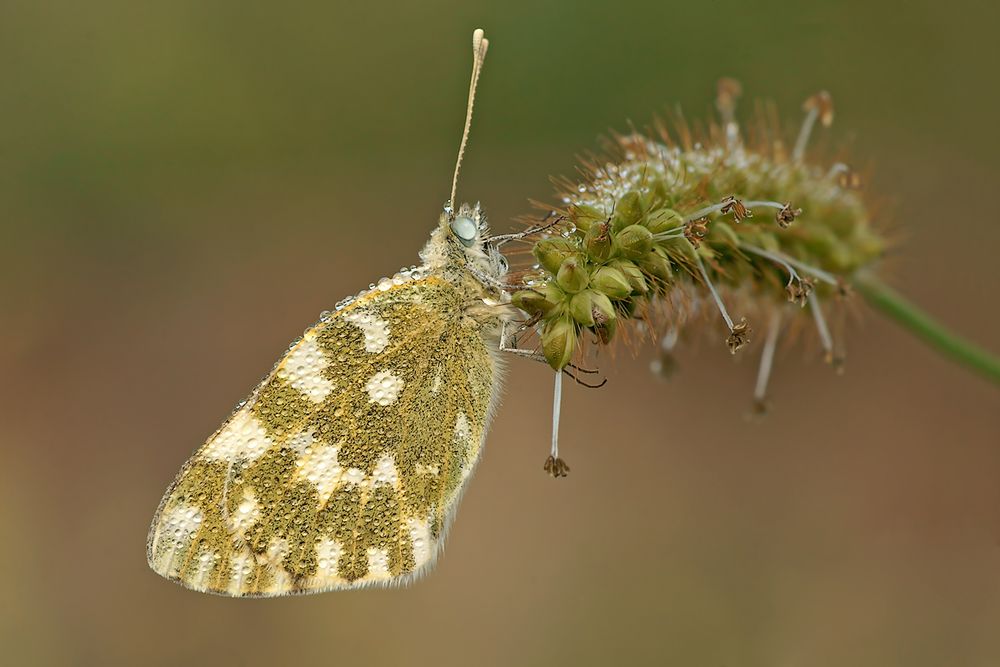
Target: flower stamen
[[554, 465], [824, 331], [727, 92], [695, 231], [715, 294], [818, 106], [739, 336], [766, 363]]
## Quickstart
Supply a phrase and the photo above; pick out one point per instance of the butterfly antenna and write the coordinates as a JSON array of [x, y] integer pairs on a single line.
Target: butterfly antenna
[[479, 46]]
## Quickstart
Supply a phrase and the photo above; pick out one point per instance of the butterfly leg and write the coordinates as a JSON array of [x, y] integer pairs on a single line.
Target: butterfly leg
[[493, 283], [508, 343]]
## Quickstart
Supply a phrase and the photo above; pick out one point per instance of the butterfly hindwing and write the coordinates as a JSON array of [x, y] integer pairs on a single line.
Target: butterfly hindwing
[[346, 463]]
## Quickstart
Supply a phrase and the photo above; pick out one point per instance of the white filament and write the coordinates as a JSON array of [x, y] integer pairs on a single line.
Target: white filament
[[792, 273], [556, 402], [702, 212], [715, 294], [824, 332], [791, 261], [807, 125], [715, 208], [767, 357]]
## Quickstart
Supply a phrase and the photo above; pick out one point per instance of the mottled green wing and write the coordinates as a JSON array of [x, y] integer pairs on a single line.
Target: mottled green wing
[[344, 467]]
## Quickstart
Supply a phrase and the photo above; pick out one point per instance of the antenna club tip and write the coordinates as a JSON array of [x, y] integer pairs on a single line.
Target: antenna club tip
[[479, 41]]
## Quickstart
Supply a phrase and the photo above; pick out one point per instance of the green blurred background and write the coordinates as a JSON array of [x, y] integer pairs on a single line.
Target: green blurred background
[[185, 185]]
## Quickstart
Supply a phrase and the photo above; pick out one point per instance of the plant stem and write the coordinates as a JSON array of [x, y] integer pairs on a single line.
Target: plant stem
[[934, 334]]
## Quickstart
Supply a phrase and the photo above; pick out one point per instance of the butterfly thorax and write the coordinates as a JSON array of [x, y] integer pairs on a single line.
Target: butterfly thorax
[[458, 252]]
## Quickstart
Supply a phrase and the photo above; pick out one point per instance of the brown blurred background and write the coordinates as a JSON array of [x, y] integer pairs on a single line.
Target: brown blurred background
[[185, 185]]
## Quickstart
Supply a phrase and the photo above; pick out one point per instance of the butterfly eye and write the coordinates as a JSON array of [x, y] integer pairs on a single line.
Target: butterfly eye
[[465, 229]]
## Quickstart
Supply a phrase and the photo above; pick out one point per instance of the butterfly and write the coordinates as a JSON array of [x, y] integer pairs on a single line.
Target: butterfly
[[345, 465]]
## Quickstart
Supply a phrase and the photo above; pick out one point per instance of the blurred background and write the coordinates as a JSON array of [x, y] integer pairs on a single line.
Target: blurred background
[[185, 185]]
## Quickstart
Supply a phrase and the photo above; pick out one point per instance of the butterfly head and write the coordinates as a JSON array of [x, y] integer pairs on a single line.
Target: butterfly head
[[461, 241], [465, 228]]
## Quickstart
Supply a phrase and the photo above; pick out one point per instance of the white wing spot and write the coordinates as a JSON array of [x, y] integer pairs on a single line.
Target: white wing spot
[[420, 534], [247, 513], [432, 469], [241, 567], [462, 431], [277, 549], [301, 443], [179, 525], [384, 388], [385, 471], [174, 536], [303, 369], [327, 555], [378, 564], [463, 434], [355, 475], [204, 566], [322, 470], [243, 437], [376, 330]]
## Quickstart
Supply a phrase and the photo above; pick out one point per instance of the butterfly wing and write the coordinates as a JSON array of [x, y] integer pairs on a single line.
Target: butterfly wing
[[345, 465]]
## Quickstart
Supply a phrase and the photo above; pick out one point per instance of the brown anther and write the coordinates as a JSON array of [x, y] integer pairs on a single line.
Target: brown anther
[[822, 103], [665, 366], [786, 215], [839, 364], [739, 336], [740, 212], [696, 230], [850, 180], [844, 289], [556, 467], [798, 291], [760, 408]]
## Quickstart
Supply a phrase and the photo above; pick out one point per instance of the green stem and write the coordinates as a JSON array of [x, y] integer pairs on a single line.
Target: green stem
[[917, 321]]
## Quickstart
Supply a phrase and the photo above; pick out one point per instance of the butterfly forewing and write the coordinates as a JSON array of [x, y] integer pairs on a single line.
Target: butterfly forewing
[[345, 465]]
